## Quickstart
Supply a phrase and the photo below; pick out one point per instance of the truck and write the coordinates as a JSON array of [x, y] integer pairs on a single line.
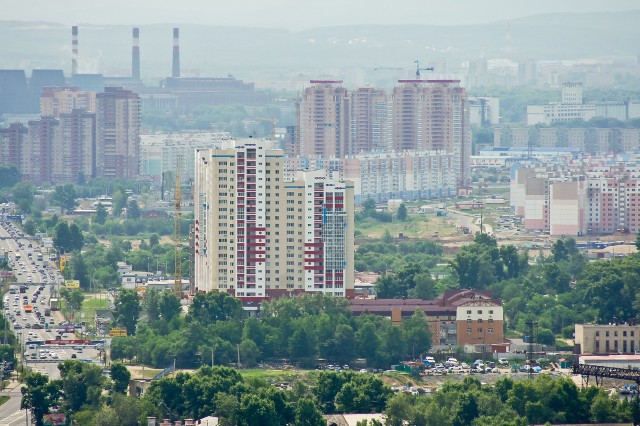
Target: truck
[[47, 312], [39, 257], [54, 304]]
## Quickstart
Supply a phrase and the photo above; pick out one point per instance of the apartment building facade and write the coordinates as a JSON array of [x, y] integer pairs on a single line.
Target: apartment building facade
[[323, 119], [433, 115], [599, 195], [258, 235], [607, 338], [55, 101], [117, 133]]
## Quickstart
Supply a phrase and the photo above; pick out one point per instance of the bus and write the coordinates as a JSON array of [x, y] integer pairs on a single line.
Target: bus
[[28, 309]]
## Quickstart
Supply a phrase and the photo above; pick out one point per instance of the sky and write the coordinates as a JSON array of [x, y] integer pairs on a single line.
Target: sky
[[294, 14]]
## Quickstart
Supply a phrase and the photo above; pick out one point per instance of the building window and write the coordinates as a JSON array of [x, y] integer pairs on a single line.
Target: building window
[[480, 330], [490, 330], [479, 320], [606, 333], [468, 331], [468, 312], [479, 311], [597, 334], [468, 321], [624, 333], [490, 320]]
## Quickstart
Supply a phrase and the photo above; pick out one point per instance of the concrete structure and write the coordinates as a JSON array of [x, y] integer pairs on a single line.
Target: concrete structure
[[135, 55], [607, 339], [369, 120], [63, 100], [258, 235], [410, 175], [568, 109], [433, 115], [589, 139], [175, 68], [484, 111], [117, 134], [174, 152], [74, 50], [590, 195], [457, 317], [323, 120]]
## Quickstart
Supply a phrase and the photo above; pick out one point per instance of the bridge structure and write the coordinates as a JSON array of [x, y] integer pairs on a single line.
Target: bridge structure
[[599, 372]]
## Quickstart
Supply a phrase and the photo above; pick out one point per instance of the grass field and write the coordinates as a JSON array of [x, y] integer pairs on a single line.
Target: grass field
[[417, 226], [4, 398], [91, 304]]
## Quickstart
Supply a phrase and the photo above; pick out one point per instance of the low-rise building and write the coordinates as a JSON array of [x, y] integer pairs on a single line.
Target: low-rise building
[[457, 317], [607, 338]]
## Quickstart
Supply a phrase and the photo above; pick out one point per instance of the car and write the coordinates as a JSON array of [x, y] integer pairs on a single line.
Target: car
[[74, 356], [503, 361]]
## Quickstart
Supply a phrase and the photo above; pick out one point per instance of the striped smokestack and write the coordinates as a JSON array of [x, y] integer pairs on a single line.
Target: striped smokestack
[[135, 55], [74, 50], [175, 70]]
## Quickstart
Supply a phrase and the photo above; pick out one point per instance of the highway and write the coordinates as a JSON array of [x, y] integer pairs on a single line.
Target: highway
[[40, 279]]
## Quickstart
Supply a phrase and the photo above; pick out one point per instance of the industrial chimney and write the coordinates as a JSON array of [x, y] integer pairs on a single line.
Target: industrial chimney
[[74, 50], [135, 55], [175, 70]]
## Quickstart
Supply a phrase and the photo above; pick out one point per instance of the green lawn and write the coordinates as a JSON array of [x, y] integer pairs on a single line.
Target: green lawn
[[90, 305], [4, 398], [417, 226]]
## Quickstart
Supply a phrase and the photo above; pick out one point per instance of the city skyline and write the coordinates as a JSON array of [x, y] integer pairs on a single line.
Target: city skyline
[[276, 13]]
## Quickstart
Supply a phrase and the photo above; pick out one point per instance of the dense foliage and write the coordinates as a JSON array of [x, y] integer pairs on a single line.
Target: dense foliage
[[511, 403], [301, 329]]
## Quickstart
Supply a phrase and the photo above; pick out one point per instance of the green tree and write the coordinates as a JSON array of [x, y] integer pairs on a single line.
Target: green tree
[[23, 195], [301, 345], [80, 271], [120, 376], [257, 411], [249, 353], [101, 214], [133, 210], [127, 310], [65, 196], [169, 305], [9, 176], [82, 385], [416, 333], [307, 414], [151, 305], [39, 395], [401, 214]]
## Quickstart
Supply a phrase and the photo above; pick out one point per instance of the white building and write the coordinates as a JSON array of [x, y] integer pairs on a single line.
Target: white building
[[258, 235]]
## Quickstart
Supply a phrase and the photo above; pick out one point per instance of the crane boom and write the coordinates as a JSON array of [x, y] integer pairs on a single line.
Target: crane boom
[[418, 69]]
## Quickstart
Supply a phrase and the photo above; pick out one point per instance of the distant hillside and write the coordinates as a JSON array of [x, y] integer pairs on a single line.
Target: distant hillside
[[256, 52]]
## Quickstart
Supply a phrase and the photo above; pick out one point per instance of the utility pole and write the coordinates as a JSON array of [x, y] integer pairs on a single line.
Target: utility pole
[[238, 356]]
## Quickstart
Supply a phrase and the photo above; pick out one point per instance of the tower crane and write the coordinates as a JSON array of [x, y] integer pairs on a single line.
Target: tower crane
[[388, 68], [177, 213], [418, 69]]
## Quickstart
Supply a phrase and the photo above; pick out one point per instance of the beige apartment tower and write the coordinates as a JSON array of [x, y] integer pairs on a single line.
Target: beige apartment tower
[[433, 115], [323, 120], [259, 236], [117, 133]]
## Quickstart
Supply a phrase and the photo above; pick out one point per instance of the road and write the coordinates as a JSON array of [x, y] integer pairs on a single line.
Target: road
[[33, 329]]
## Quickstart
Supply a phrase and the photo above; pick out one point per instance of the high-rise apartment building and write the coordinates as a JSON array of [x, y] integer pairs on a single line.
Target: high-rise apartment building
[[117, 133], [258, 235], [74, 150], [369, 119], [12, 143], [433, 115], [323, 119], [62, 100]]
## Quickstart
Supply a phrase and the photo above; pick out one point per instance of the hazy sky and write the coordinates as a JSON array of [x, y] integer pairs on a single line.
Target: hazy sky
[[294, 14]]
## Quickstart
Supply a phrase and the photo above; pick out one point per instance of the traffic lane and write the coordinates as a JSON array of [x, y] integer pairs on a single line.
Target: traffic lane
[[10, 412]]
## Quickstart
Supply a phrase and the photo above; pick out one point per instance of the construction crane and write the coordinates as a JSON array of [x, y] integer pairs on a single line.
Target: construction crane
[[177, 213], [418, 69], [273, 125], [387, 68]]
